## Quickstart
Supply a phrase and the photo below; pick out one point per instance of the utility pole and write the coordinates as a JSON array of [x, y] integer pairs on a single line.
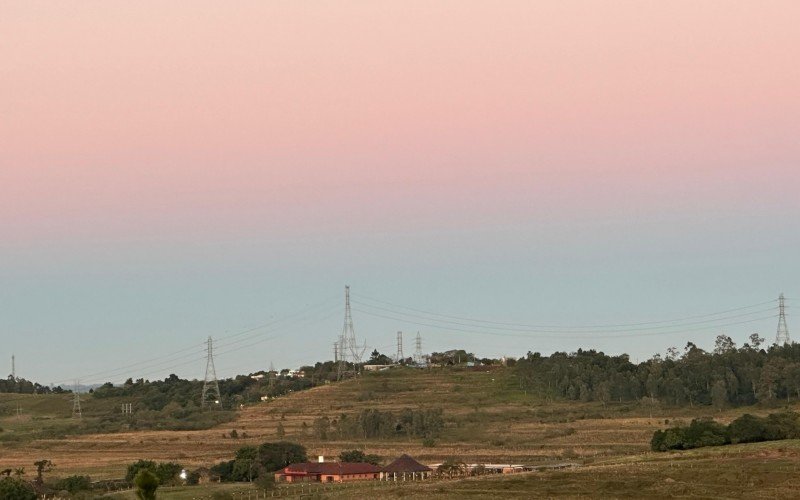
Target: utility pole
[[210, 384], [783, 331], [76, 403], [399, 357], [13, 368]]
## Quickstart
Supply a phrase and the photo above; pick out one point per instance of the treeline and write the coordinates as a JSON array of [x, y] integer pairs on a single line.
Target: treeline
[[745, 429], [371, 423], [725, 376], [158, 394], [22, 386]]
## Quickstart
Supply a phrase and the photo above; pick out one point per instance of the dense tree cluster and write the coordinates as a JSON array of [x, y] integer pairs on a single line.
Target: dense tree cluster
[[251, 463], [358, 456], [745, 429], [22, 386], [372, 423], [186, 394], [165, 472], [726, 376]]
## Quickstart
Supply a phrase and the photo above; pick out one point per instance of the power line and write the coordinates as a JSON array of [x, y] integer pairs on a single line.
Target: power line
[[275, 336], [568, 327], [534, 334], [564, 330], [192, 351]]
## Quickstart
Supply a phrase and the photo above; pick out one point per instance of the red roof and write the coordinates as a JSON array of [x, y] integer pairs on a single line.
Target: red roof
[[330, 468]]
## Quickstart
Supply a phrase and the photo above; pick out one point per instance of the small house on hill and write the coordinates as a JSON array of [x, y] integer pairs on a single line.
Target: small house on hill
[[405, 468]]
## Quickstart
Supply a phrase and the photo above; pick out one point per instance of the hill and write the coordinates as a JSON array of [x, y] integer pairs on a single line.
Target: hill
[[487, 417]]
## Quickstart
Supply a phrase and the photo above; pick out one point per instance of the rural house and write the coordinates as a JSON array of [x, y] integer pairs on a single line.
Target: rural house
[[327, 472]]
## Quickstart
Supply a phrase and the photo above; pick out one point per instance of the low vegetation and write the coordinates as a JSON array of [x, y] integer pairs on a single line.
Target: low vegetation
[[745, 429]]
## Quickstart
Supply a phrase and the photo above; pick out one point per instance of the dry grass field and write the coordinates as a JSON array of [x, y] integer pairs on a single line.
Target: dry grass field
[[488, 419]]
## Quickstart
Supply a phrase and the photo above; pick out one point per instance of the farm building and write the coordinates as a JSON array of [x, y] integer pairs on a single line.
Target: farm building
[[405, 468], [328, 472]]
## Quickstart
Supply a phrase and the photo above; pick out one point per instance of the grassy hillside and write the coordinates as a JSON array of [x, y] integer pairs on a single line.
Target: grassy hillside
[[740, 471], [488, 418]]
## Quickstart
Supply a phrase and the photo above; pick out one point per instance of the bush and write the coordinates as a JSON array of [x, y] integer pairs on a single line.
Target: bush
[[705, 432], [16, 489], [165, 472], [748, 429], [266, 481], [134, 468], [146, 485], [745, 429], [74, 484]]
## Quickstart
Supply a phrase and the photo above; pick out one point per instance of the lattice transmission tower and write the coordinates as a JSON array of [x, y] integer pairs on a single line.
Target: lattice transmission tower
[[419, 358], [400, 356], [347, 349], [783, 331], [210, 384], [76, 403]]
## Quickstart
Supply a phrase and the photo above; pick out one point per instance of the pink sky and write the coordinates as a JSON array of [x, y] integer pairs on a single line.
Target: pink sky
[[179, 168], [154, 112]]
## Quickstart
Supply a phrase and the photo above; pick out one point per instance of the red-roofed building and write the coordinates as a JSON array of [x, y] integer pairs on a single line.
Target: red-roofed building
[[328, 472]]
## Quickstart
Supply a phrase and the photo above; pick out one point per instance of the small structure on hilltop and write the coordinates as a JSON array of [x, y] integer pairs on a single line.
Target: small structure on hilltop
[[405, 468], [328, 472]]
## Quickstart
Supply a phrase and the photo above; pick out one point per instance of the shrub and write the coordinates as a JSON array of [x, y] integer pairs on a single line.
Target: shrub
[[74, 484], [705, 432], [748, 429], [146, 485], [165, 472], [134, 468], [745, 429], [17, 489]]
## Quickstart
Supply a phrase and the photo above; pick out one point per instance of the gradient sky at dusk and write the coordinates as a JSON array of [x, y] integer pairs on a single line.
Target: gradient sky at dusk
[[174, 170]]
